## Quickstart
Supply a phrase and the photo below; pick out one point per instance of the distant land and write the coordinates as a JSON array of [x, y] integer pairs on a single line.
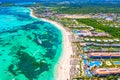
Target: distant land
[[81, 1]]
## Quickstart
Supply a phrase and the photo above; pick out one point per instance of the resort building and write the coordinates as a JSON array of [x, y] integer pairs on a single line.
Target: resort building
[[93, 50], [99, 34], [104, 55], [109, 19], [84, 33], [106, 71], [106, 45]]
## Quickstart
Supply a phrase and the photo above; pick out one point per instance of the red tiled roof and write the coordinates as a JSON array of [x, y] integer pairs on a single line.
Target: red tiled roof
[[105, 71], [105, 54]]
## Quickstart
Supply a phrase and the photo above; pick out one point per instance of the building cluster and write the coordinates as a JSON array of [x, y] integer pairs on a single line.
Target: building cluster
[[106, 71], [108, 17], [89, 33], [104, 55], [43, 12], [97, 49], [91, 47]]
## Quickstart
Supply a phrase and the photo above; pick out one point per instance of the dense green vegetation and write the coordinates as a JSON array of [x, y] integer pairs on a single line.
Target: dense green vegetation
[[84, 9], [80, 8], [77, 8], [115, 32]]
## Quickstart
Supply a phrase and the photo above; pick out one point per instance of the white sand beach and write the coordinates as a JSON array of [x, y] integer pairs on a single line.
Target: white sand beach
[[63, 67]]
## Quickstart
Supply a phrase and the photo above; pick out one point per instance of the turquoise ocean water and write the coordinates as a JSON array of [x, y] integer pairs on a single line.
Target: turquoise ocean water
[[29, 48]]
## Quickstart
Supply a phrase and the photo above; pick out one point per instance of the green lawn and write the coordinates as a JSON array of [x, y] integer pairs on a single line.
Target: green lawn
[[115, 32]]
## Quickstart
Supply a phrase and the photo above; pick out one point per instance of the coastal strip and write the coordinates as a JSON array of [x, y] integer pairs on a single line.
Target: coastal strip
[[62, 69]]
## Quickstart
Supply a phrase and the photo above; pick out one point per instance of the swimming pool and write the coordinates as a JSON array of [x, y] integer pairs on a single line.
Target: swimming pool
[[95, 63], [88, 73], [117, 62], [83, 56], [85, 62], [86, 47], [91, 64], [75, 31]]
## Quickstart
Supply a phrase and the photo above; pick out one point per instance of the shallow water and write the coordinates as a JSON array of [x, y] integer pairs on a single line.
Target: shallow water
[[22, 56]]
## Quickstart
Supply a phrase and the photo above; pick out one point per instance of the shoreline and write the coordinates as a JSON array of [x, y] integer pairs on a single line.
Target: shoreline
[[62, 69]]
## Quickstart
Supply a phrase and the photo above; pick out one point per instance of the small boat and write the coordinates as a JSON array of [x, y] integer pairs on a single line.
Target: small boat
[[39, 40]]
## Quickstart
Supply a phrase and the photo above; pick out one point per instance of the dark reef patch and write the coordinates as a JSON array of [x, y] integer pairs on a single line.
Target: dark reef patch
[[39, 22], [28, 66]]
